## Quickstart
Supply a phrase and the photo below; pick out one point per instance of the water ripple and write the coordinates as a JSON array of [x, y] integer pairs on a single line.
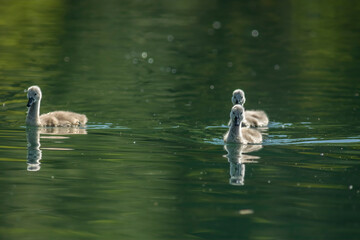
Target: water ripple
[[288, 141], [104, 126]]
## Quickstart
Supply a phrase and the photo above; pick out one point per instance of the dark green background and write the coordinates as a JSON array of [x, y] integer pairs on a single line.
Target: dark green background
[[152, 164]]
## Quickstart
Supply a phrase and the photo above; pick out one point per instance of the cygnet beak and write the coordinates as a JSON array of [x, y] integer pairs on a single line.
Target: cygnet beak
[[237, 121], [30, 102]]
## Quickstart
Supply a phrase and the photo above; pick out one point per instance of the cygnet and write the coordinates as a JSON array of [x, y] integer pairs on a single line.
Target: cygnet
[[253, 118], [51, 119], [237, 134]]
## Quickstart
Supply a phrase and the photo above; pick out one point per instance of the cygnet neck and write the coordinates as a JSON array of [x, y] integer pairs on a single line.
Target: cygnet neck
[[33, 114], [240, 103], [236, 129]]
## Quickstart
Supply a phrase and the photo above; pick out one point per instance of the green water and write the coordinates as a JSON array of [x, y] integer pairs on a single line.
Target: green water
[[155, 79]]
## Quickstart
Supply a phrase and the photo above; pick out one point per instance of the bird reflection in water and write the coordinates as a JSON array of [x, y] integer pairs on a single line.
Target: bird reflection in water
[[33, 134], [237, 160]]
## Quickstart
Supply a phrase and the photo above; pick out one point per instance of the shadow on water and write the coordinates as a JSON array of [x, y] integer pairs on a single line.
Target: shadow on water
[[237, 159], [33, 134]]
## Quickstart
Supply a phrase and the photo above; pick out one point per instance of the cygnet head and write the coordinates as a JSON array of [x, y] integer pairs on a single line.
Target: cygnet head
[[33, 94], [237, 115], [238, 97]]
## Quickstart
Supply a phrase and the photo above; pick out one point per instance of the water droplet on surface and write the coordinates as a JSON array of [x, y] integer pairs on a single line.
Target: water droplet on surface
[[255, 33], [135, 61], [144, 54], [170, 38], [173, 70], [151, 60], [66, 59], [134, 142], [217, 25], [212, 87], [269, 181], [229, 64], [351, 187], [276, 67], [321, 154]]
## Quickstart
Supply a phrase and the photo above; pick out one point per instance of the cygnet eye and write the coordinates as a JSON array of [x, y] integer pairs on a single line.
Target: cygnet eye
[[35, 94]]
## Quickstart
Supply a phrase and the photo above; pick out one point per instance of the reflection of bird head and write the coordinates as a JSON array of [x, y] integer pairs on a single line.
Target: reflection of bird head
[[34, 153], [33, 95], [33, 167], [237, 159], [237, 174], [238, 97]]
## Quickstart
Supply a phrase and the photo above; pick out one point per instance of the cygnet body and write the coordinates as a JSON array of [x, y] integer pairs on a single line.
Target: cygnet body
[[237, 134], [253, 118], [51, 119]]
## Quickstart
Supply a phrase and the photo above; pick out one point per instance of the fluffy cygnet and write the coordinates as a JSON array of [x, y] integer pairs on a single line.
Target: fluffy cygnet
[[51, 119], [253, 118], [236, 133]]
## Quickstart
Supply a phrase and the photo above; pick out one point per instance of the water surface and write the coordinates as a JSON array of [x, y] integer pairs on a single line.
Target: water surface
[[155, 80]]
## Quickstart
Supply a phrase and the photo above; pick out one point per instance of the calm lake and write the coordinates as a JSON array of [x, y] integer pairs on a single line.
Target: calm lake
[[155, 80]]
